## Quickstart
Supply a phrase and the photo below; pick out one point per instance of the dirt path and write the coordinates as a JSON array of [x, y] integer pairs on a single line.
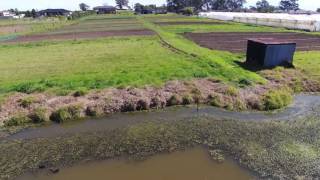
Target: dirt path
[[304, 106], [237, 42]]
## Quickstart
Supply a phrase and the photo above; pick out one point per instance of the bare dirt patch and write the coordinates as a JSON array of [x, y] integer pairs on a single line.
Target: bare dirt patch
[[237, 41], [188, 23], [79, 35], [8, 29]]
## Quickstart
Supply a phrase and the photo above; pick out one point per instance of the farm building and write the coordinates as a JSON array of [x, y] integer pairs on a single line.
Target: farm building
[[105, 9], [290, 21], [54, 12], [6, 15]]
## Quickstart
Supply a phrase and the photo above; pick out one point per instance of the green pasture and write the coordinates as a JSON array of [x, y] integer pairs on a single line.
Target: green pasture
[[127, 61]]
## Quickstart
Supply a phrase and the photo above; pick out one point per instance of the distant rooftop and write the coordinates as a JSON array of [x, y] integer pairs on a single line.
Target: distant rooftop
[[54, 10], [104, 7]]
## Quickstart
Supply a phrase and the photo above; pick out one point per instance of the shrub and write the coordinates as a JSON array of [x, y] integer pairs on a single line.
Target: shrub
[[94, 111], [157, 103], [232, 91], [17, 120], [229, 107], [39, 115], [216, 100], [142, 105], [174, 100], [276, 99], [26, 102], [297, 85], [66, 114], [128, 106], [80, 92], [188, 11], [239, 104], [187, 99]]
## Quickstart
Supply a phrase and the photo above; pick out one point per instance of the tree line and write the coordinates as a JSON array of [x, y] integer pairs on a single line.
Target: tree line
[[230, 5], [179, 6], [285, 5]]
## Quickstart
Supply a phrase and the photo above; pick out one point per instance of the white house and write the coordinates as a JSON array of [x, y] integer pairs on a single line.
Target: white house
[[7, 14]]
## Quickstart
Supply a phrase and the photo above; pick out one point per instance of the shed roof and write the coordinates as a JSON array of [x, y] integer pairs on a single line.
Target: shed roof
[[271, 41], [54, 11], [104, 7]]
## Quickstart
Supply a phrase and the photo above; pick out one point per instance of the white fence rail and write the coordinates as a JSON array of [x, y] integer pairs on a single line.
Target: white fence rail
[[290, 21]]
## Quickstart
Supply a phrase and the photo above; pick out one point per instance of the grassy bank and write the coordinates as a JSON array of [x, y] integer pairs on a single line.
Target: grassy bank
[[309, 63], [78, 66], [277, 150], [132, 61]]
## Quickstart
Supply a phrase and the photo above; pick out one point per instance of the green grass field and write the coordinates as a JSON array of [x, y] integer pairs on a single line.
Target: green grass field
[[94, 64], [126, 61], [309, 62]]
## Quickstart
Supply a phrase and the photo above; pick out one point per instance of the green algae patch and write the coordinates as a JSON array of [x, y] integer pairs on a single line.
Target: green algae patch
[[302, 150]]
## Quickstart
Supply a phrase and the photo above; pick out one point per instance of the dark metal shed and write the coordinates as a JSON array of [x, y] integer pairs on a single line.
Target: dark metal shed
[[54, 12], [105, 9], [269, 52]]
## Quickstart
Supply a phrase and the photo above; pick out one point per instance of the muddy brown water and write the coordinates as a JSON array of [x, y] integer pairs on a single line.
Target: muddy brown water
[[303, 106], [194, 164]]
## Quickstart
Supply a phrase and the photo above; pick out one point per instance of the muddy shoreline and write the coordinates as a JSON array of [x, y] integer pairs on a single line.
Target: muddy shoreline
[[302, 107]]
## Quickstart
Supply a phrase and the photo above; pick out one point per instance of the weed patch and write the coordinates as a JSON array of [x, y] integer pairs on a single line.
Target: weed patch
[[39, 116], [66, 114], [26, 102], [18, 120], [277, 99]]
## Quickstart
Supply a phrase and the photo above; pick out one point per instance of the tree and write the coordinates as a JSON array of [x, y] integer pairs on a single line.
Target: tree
[[218, 4], [175, 5], [318, 10], [121, 3], [289, 5], [84, 7], [33, 13], [264, 6], [138, 8], [230, 5], [235, 4], [28, 14]]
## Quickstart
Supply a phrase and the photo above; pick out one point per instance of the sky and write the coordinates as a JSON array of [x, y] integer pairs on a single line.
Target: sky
[[74, 4]]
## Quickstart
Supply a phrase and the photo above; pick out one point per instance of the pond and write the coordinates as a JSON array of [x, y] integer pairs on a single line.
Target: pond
[[187, 165]]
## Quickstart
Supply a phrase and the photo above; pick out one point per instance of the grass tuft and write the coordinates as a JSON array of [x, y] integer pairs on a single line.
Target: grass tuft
[[18, 120], [277, 99], [65, 114]]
